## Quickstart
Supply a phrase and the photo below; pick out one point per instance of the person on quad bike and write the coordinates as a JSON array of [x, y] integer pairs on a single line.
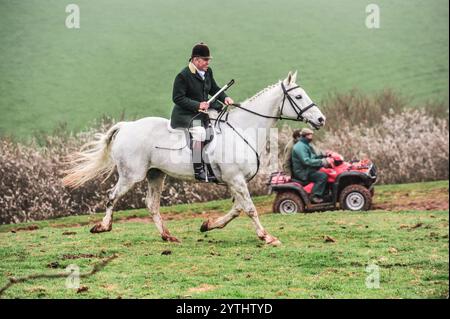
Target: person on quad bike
[[306, 162], [287, 155]]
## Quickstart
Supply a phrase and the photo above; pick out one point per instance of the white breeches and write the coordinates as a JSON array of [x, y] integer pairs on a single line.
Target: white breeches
[[198, 133]]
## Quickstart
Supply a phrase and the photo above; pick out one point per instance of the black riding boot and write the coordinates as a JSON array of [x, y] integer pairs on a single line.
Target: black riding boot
[[199, 172], [199, 166]]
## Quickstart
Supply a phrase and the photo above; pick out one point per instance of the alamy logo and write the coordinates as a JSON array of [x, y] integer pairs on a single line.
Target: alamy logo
[[373, 19], [73, 19], [373, 279], [73, 279]]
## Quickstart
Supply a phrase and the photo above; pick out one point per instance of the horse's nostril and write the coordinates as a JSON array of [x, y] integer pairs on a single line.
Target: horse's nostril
[[321, 120]]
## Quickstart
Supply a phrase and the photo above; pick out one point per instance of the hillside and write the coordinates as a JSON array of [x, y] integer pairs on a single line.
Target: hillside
[[125, 55]]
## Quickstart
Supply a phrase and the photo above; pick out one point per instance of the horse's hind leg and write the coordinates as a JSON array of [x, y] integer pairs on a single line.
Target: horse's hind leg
[[155, 180], [122, 187]]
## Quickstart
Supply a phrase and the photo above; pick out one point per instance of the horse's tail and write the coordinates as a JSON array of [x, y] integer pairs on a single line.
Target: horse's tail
[[92, 160]]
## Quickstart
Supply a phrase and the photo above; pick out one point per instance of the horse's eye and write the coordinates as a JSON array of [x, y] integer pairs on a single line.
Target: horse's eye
[[298, 97]]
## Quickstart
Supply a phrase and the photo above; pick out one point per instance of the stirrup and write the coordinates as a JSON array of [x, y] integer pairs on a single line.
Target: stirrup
[[205, 178], [201, 174]]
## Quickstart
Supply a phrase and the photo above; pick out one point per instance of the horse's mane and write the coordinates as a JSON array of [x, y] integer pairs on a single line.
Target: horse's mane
[[260, 93]]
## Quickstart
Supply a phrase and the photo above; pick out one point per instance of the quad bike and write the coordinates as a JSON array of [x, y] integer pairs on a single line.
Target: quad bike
[[350, 184]]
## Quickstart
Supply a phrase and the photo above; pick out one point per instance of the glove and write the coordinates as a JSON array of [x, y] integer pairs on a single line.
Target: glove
[[230, 107], [326, 163]]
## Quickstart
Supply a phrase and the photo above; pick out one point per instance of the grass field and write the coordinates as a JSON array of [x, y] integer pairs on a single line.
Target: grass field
[[410, 247], [126, 54]]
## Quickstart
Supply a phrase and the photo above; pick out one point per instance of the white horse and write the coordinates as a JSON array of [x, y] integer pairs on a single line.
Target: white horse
[[145, 149]]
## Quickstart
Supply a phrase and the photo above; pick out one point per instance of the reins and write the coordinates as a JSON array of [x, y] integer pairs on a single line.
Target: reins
[[297, 109]]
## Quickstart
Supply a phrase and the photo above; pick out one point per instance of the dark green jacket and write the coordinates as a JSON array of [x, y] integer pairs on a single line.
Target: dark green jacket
[[189, 89], [305, 160]]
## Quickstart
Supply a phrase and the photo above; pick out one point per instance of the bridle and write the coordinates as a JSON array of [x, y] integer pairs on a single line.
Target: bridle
[[297, 109]]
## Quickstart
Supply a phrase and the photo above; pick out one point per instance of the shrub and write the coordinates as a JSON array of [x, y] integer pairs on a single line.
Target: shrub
[[407, 146], [410, 146], [357, 109]]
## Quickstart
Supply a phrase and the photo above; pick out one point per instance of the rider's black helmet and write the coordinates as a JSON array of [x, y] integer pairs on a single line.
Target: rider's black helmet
[[200, 50]]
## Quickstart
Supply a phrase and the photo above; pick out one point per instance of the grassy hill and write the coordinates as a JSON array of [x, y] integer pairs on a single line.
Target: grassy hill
[[124, 57], [410, 247]]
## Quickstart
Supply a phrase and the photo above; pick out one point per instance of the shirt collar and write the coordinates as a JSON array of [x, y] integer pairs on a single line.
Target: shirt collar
[[194, 70], [192, 67]]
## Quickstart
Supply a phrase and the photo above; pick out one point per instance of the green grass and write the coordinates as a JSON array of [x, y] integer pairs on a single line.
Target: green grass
[[410, 247], [126, 55]]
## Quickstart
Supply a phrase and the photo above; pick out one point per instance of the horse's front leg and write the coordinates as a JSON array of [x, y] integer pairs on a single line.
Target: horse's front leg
[[220, 222], [260, 231], [243, 202]]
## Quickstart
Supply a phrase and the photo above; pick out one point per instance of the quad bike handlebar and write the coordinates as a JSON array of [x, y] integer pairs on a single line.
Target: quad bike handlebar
[[334, 159]]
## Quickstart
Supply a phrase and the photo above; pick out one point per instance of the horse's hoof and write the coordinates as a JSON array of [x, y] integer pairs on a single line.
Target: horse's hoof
[[98, 228], [272, 241], [275, 242], [174, 240], [204, 226], [95, 229], [171, 239]]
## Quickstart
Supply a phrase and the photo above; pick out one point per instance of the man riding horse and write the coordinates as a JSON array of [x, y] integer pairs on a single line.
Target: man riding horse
[[190, 94]]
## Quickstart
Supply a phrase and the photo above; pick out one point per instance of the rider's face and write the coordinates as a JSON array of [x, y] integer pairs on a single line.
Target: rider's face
[[201, 64], [309, 137]]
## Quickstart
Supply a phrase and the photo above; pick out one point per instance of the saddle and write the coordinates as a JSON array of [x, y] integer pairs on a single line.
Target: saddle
[[208, 128]]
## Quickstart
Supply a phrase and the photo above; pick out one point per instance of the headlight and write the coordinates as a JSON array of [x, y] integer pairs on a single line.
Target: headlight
[[373, 171]]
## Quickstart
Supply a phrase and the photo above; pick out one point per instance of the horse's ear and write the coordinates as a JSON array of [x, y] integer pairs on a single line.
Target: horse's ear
[[289, 78], [294, 77]]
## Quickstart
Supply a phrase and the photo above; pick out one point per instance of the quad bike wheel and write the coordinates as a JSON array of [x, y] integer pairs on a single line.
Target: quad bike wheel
[[355, 198], [288, 203]]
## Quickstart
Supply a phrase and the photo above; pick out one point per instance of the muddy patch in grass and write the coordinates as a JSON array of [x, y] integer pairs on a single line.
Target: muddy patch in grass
[[68, 233], [171, 216], [27, 228], [436, 199], [202, 288], [212, 214], [78, 256]]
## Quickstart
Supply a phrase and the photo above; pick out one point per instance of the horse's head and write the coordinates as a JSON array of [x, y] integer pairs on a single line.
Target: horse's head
[[298, 105]]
